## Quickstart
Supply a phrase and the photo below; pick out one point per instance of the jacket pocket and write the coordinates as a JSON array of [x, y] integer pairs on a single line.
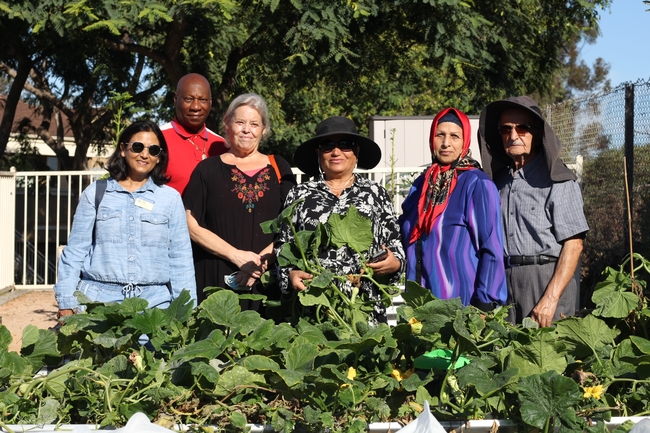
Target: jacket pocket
[[155, 230], [108, 226]]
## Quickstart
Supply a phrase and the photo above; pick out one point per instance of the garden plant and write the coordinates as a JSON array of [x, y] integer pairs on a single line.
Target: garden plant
[[321, 367]]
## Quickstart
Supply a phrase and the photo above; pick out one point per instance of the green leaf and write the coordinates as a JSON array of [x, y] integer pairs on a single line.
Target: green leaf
[[291, 378], [268, 335], [416, 381], [15, 364], [415, 295], [301, 357], [5, 338], [259, 362], [290, 256], [109, 340], [583, 336], [616, 303], [549, 396], [478, 374], [236, 377], [48, 411], [353, 230], [133, 305], [541, 355], [210, 348], [323, 280], [245, 322], [39, 346], [150, 321], [273, 226], [437, 314], [237, 419], [220, 307], [463, 337], [181, 308], [641, 343], [309, 300], [205, 370]]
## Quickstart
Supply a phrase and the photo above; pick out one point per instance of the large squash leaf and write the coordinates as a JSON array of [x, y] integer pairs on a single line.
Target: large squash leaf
[[353, 230]]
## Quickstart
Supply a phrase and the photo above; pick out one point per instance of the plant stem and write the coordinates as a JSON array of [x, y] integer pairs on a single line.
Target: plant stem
[[4, 427]]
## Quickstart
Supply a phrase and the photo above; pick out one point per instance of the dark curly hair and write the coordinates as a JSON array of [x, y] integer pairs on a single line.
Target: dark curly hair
[[117, 164]]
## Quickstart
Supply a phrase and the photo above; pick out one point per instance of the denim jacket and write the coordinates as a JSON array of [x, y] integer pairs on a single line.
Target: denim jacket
[[141, 248]]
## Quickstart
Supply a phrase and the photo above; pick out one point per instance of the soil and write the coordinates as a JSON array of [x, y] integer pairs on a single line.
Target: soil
[[21, 308]]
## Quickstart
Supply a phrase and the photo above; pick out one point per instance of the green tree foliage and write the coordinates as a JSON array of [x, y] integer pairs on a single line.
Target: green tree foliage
[[308, 59], [576, 78]]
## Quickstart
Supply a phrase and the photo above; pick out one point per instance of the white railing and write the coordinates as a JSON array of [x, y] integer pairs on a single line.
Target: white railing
[[36, 211], [37, 208]]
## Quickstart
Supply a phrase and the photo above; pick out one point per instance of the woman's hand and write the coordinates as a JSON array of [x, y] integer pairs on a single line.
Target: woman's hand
[[388, 266], [297, 277], [248, 262], [63, 313], [250, 272]]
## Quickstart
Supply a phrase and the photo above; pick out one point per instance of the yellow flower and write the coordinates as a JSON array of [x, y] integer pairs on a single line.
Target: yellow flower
[[594, 391], [136, 359], [399, 376], [352, 373], [416, 326]]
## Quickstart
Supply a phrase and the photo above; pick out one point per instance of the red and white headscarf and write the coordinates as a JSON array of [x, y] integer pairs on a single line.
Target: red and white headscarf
[[440, 180]]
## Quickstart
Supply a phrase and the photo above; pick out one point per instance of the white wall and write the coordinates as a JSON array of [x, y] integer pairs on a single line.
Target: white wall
[[411, 139]]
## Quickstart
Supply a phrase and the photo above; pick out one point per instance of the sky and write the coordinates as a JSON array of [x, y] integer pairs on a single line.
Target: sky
[[623, 43]]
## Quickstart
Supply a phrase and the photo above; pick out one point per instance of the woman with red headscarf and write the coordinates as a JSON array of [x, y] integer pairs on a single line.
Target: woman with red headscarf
[[451, 221]]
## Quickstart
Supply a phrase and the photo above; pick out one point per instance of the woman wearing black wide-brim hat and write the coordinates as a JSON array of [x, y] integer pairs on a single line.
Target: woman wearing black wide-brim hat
[[331, 156]]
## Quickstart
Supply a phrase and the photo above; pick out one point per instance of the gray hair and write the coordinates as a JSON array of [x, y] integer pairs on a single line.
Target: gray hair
[[252, 100]]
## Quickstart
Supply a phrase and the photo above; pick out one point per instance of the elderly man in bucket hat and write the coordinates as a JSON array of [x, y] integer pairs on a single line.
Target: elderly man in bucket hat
[[331, 156], [541, 207]]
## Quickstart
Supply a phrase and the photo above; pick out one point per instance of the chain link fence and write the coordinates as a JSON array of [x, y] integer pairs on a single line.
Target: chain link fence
[[612, 132]]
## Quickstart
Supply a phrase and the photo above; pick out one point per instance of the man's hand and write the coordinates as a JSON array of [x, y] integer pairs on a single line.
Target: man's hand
[[566, 265], [543, 312], [296, 279]]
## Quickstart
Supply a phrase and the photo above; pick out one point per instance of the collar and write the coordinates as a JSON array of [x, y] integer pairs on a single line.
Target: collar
[[531, 168], [180, 130], [113, 185]]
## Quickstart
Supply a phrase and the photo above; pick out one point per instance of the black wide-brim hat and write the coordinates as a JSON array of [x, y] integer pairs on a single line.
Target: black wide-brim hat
[[306, 158]]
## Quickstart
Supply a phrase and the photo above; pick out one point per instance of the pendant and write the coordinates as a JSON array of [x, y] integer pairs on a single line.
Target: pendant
[[203, 156]]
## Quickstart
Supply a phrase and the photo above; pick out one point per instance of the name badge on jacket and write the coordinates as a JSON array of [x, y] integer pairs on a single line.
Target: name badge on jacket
[[144, 203]]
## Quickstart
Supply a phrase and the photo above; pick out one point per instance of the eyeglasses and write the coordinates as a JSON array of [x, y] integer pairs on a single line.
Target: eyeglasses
[[344, 145], [522, 129], [189, 100], [138, 147]]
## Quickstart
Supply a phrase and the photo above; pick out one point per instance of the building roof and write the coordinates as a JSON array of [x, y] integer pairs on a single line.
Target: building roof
[[25, 112]]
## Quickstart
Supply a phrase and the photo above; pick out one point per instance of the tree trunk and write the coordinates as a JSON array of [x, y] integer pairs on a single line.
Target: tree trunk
[[12, 101]]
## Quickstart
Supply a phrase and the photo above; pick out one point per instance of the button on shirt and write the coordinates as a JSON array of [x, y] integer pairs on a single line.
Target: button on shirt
[[538, 214], [141, 239]]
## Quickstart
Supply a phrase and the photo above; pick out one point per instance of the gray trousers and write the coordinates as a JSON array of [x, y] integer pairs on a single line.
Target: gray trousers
[[526, 285]]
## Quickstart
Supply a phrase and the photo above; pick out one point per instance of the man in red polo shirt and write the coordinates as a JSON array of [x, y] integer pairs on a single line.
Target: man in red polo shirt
[[189, 141]]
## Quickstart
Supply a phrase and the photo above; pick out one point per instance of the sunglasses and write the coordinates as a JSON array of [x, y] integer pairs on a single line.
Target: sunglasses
[[522, 129], [138, 147], [344, 145]]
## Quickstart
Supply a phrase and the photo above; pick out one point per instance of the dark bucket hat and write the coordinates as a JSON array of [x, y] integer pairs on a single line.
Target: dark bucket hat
[[306, 158]]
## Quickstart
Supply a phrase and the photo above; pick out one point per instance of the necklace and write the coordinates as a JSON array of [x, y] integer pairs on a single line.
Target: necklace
[[340, 188], [203, 156]]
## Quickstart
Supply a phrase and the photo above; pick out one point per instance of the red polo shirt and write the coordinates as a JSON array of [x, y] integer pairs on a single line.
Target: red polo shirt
[[186, 150]]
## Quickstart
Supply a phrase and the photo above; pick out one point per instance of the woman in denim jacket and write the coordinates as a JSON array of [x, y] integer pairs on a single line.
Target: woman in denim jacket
[[136, 242]]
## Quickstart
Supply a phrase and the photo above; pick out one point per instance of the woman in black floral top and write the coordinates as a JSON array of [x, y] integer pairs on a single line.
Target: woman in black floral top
[[336, 150]]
